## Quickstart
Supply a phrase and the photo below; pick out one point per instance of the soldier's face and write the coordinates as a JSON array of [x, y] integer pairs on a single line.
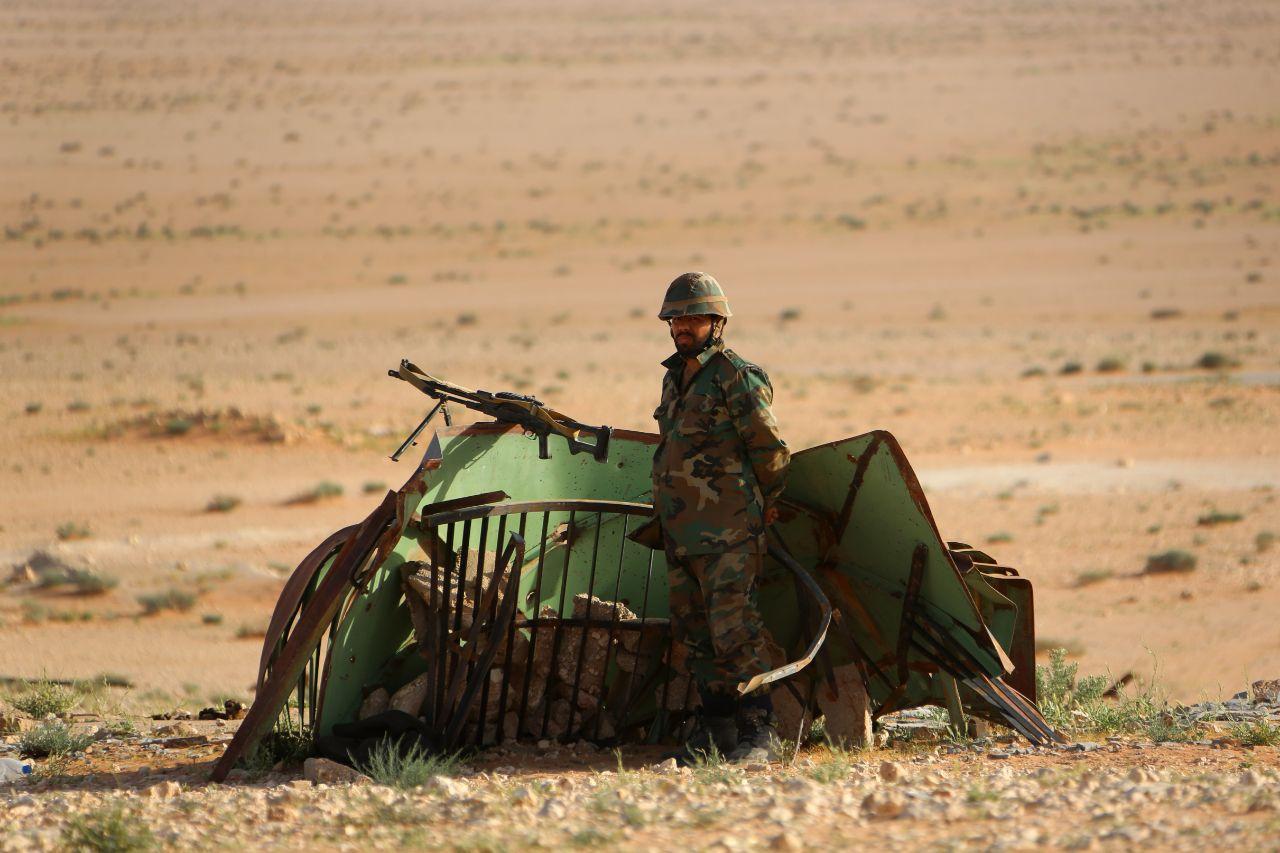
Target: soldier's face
[[690, 333]]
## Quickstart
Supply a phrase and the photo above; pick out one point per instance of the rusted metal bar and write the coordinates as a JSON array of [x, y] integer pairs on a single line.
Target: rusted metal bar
[[779, 553], [533, 633], [484, 689], [290, 601], [644, 613], [306, 635], [513, 555], [909, 599], [617, 607], [556, 631], [586, 632], [510, 645], [570, 506], [855, 485]]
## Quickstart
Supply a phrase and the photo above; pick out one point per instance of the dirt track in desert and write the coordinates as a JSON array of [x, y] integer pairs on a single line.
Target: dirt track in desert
[[1036, 242]]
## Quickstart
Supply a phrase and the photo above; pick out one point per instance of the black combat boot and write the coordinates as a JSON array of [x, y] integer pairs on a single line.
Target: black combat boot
[[758, 741], [715, 733]]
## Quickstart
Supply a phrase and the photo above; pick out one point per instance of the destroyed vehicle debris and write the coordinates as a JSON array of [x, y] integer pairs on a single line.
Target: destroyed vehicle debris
[[498, 594], [231, 710]]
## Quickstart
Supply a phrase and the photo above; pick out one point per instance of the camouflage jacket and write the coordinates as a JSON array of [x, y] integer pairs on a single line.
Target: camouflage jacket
[[720, 461]]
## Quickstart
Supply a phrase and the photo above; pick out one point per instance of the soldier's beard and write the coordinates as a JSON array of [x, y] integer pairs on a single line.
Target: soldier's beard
[[692, 345], [688, 346]]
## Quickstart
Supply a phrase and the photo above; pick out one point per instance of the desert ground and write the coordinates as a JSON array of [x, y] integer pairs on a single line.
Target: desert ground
[[1037, 242]]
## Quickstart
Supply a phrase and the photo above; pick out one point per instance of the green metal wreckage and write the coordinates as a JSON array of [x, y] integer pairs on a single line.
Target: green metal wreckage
[[499, 594]]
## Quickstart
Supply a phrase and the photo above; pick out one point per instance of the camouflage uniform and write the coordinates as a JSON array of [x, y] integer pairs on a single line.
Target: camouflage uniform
[[719, 465]]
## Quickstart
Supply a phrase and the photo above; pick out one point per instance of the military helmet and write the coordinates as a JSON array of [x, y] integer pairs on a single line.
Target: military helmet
[[694, 293]]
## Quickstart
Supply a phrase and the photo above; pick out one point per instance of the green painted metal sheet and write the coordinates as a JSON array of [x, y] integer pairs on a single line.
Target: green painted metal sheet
[[370, 642], [856, 514], [860, 549]]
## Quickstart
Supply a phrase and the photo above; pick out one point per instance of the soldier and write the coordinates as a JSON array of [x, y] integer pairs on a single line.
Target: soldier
[[718, 472]]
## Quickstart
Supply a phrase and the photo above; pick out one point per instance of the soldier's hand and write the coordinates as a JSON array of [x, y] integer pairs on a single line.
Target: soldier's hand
[[771, 515]]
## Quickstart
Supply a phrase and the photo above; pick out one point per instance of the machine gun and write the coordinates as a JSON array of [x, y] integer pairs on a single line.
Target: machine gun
[[505, 407]]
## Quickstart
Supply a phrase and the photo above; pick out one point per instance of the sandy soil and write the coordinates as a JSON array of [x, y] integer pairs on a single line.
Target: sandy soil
[[922, 213], [1123, 794]]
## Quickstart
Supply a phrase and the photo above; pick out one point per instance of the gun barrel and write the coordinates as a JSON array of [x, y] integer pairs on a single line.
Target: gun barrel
[[522, 410]]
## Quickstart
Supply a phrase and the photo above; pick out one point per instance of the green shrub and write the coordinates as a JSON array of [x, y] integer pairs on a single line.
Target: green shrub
[[1081, 704], [323, 490], [388, 766], [248, 631], [211, 619], [1092, 576], [1071, 367], [94, 583], [1216, 361], [109, 829], [73, 530], [287, 745], [85, 581], [1264, 541], [1257, 733], [45, 697], [373, 486], [1179, 562], [171, 599], [120, 729], [52, 737], [997, 538], [1111, 364], [1215, 518], [178, 426], [33, 612], [222, 503]]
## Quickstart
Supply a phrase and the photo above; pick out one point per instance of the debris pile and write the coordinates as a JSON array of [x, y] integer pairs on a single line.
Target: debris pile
[[1260, 704], [550, 675]]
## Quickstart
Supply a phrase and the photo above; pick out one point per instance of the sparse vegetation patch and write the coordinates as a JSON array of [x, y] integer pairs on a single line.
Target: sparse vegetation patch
[[45, 697], [109, 829], [52, 737], [180, 600], [1177, 562], [388, 765]]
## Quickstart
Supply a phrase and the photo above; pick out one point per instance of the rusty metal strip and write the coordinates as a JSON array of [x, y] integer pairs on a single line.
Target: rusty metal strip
[[556, 630], [1016, 710], [855, 485], [510, 643], [1030, 725], [909, 601], [307, 634], [465, 502], [586, 633], [780, 553], [608, 647], [513, 556], [291, 595], [533, 632], [1028, 708]]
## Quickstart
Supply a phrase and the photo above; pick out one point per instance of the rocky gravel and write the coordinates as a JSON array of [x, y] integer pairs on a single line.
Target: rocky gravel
[[1119, 794]]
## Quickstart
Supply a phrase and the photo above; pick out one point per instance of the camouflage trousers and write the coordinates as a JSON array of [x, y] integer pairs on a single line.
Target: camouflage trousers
[[714, 613]]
